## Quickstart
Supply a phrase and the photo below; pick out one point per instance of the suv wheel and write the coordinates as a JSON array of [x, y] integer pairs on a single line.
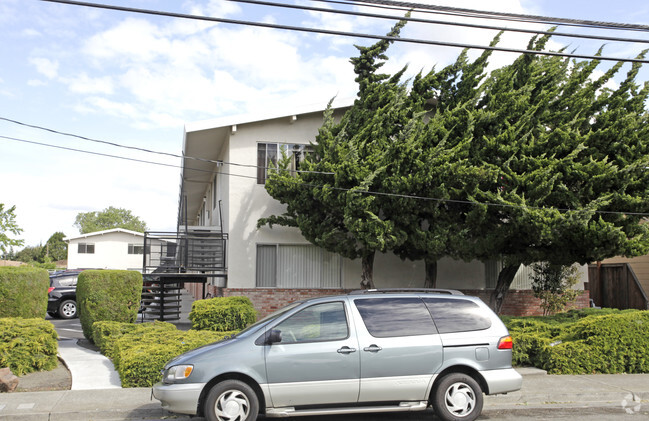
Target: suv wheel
[[457, 397], [68, 309], [231, 400]]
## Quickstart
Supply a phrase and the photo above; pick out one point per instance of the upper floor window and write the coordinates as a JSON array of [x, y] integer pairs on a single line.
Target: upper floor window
[[86, 248], [269, 154]]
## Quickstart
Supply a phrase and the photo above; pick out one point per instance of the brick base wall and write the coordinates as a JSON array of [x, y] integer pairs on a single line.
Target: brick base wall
[[267, 300]]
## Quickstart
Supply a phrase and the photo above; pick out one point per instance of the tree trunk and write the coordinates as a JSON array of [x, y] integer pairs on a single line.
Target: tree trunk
[[367, 264], [505, 279], [431, 273]]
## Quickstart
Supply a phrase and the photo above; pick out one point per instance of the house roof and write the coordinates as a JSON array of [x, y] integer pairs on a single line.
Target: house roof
[[205, 140], [104, 232]]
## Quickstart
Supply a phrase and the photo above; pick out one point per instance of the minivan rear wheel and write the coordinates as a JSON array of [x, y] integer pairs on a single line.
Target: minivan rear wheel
[[68, 309], [231, 400], [457, 397]]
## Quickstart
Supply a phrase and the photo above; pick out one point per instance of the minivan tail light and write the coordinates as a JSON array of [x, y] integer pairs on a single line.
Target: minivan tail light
[[505, 343], [50, 289]]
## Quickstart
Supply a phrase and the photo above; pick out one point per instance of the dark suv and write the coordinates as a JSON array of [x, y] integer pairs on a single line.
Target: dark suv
[[62, 295]]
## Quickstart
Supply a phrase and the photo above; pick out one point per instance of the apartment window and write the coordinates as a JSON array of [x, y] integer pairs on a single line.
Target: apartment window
[[86, 248], [297, 266], [135, 249], [269, 154]]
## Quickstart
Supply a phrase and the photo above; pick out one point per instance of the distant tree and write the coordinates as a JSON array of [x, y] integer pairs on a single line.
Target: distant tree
[[55, 248], [30, 254], [108, 218], [8, 226]]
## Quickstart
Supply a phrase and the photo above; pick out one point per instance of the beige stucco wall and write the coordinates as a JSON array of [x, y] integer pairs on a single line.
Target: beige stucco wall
[[111, 252]]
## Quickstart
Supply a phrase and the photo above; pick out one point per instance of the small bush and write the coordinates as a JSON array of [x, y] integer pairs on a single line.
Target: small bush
[[106, 333], [28, 345], [112, 295], [222, 314], [23, 292], [140, 356]]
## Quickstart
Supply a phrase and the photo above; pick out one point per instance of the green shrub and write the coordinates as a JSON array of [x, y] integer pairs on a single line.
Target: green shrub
[[140, 356], [112, 295], [616, 342], [106, 333], [27, 345], [222, 314], [23, 292]]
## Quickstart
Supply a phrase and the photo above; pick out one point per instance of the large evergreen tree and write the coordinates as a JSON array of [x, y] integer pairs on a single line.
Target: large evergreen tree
[[554, 167], [329, 201]]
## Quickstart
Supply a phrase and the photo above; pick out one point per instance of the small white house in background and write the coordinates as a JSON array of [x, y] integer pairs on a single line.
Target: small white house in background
[[116, 248]]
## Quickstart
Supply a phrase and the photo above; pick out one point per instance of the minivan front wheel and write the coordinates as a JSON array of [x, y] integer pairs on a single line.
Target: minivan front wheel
[[457, 397], [231, 400]]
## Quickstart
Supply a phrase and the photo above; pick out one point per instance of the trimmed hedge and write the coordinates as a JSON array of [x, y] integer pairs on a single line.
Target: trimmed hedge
[[140, 354], [28, 345], [23, 292], [583, 341], [106, 333], [222, 314], [112, 295]]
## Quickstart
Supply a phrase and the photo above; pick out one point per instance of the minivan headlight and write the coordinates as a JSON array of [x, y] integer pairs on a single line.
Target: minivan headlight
[[178, 372]]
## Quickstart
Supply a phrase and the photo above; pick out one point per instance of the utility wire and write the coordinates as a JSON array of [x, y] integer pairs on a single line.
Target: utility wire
[[347, 34], [482, 14], [211, 161], [303, 184], [440, 22]]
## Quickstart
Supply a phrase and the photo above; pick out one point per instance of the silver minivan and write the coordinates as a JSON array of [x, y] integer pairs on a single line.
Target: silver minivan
[[368, 351]]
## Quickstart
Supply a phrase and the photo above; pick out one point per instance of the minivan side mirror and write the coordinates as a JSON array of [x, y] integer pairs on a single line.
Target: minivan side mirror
[[272, 336]]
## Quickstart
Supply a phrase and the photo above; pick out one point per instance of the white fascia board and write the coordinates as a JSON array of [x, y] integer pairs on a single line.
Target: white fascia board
[[98, 233], [269, 115]]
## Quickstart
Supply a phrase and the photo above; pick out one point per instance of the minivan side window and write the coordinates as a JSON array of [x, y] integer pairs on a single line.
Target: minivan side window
[[391, 317], [319, 322], [457, 315]]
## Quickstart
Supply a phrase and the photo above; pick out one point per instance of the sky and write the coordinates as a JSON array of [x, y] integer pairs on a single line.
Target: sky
[[135, 80]]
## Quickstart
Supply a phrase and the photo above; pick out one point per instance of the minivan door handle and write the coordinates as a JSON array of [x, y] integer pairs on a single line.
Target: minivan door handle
[[346, 350], [372, 348]]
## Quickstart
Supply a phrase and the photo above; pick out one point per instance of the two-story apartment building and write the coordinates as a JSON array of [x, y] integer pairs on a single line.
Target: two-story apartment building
[[222, 190]]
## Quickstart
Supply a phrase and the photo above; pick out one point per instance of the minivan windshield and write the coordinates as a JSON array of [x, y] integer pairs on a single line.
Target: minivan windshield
[[267, 319]]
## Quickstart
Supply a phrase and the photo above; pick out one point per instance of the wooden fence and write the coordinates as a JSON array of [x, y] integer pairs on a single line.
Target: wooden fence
[[615, 285]]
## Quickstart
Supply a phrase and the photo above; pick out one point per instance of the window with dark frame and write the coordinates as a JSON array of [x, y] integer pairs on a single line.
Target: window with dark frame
[[86, 248], [135, 249], [269, 154]]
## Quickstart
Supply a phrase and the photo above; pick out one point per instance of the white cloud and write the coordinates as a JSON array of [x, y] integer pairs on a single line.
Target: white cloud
[[46, 67], [84, 84], [36, 83]]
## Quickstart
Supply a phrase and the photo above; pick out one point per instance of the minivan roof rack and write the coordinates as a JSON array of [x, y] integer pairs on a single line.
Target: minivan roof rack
[[410, 290]]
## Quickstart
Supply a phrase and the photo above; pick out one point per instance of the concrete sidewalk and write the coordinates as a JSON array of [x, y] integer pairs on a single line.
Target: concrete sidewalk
[[89, 369], [629, 393], [97, 394]]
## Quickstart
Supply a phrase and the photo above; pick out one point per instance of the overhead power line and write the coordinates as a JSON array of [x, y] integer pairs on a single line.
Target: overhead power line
[[439, 22], [456, 11], [118, 145], [368, 192], [343, 33]]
